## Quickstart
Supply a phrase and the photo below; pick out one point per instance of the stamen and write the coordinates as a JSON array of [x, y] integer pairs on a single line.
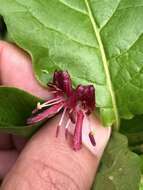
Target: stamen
[[91, 133], [53, 92], [47, 104], [50, 104], [63, 115], [39, 106], [72, 116], [60, 122], [91, 137], [54, 86], [57, 130], [48, 113], [66, 128], [52, 100], [67, 125]]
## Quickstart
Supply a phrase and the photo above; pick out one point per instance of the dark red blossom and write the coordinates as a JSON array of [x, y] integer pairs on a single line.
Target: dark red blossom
[[86, 95], [75, 104], [77, 138]]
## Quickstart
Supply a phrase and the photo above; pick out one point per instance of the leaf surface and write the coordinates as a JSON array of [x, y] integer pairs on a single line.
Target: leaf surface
[[133, 129], [119, 168], [98, 42], [15, 107]]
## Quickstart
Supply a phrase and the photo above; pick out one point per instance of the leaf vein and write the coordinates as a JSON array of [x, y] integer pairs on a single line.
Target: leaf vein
[[129, 81], [131, 7], [55, 30], [71, 7], [126, 51], [111, 16], [104, 61]]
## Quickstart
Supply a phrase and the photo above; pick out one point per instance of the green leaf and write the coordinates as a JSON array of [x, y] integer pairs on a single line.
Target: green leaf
[[2, 28], [15, 107], [141, 163], [120, 168], [141, 184], [98, 42], [133, 129]]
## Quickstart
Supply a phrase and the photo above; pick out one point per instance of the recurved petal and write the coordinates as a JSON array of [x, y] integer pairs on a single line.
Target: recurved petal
[[77, 139], [48, 113]]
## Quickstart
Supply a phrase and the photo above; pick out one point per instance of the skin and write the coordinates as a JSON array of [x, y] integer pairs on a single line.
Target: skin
[[43, 162]]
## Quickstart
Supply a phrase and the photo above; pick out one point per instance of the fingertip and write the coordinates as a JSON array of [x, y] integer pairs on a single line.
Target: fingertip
[[101, 135], [16, 70], [5, 141], [7, 159], [55, 162]]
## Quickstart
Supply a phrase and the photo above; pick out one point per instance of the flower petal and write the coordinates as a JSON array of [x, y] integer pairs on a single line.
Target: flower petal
[[63, 81], [77, 139], [48, 113], [86, 95]]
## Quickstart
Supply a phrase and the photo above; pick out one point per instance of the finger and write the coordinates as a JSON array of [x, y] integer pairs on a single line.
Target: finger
[[53, 164], [5, 141], [7, 159], [19, 142], [16, 70]]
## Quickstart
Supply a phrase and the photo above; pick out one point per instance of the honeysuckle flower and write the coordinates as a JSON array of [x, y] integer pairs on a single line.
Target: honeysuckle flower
[[75, 105]]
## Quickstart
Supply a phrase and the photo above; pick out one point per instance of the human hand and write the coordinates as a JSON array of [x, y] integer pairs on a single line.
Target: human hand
[[46, 162]]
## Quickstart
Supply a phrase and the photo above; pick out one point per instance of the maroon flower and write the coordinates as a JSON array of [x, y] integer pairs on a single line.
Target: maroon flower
[[75, 104]]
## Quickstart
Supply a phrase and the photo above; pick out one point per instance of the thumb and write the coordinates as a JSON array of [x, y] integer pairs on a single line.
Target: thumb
[[47, 162]]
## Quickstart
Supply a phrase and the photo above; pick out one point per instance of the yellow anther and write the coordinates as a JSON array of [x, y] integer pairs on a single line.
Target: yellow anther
[[93, 132], [39, 106]]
